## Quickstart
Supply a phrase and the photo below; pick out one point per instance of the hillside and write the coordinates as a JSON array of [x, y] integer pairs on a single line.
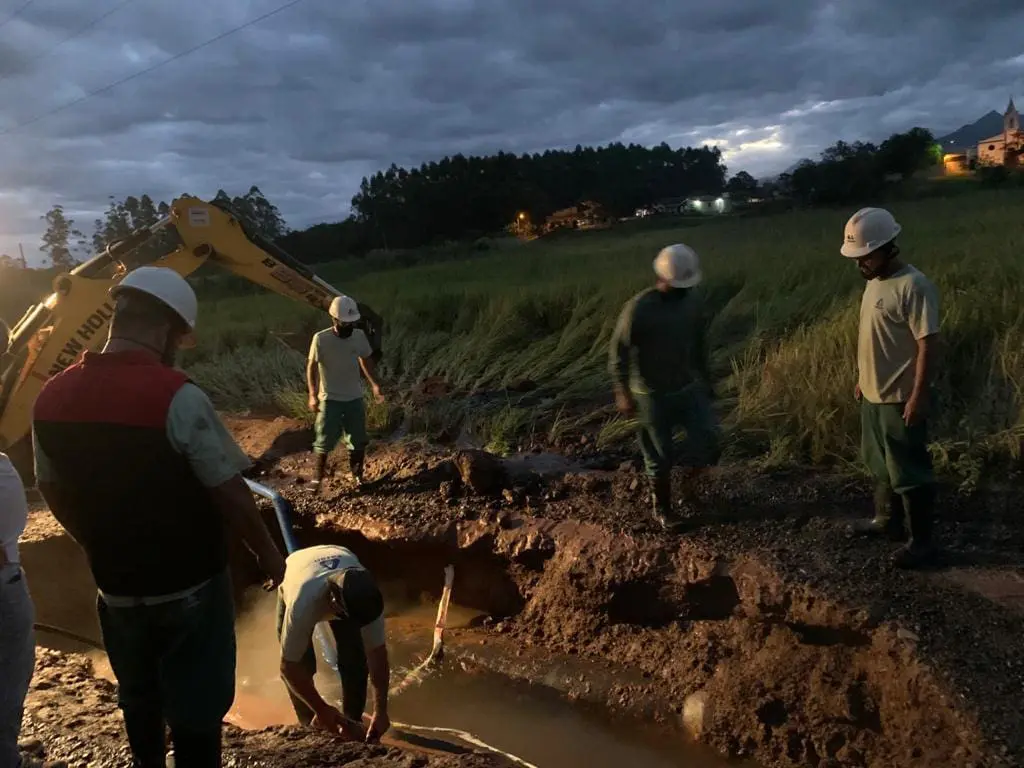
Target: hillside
[[969, 135]]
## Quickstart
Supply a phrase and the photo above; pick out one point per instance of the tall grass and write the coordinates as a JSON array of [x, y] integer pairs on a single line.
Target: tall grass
[[784, 329]]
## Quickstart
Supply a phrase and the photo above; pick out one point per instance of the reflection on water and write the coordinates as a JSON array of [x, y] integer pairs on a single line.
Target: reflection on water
[[528, 721]]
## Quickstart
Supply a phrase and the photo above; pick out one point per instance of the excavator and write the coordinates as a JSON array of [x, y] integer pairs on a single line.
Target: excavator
[[53, 334]]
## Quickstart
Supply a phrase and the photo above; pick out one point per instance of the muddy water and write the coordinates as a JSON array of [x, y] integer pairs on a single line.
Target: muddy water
[[530, 722]]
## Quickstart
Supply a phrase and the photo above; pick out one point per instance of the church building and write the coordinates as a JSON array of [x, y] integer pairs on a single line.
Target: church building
[[1006, 147]]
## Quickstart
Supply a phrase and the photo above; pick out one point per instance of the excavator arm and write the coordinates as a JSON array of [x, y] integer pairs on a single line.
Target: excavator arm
[[53, 334]]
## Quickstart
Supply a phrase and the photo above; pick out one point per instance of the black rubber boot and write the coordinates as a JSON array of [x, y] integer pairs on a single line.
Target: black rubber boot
[[920, 551], [194, 749], [321, 469], [661, 501], [356, 459], [888, 521]]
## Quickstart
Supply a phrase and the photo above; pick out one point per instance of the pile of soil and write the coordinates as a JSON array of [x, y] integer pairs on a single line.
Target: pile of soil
[[810, 647]]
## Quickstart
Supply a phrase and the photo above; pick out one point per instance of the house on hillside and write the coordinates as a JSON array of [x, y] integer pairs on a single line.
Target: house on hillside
[[1004, 148]]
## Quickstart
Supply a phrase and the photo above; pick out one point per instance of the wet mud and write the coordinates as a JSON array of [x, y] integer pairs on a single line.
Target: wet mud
[[762, 631]]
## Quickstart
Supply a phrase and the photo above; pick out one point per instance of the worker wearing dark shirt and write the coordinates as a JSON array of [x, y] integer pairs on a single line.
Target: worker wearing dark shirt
[[659, 365]]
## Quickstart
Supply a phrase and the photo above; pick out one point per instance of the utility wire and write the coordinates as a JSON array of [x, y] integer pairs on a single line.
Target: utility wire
[[17, 13], [147, 70], [72, 36]]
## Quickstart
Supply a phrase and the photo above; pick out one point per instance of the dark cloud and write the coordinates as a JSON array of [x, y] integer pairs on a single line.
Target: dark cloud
[[307, 102]]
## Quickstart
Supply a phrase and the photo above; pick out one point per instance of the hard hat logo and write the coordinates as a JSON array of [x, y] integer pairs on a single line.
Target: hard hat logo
[[344, 309], [868, 230]]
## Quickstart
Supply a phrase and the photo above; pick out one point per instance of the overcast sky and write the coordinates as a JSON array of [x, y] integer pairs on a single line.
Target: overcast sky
[[306, 102]]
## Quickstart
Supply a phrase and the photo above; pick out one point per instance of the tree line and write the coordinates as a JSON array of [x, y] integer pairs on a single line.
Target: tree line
[[464, 198], [859, 172], [66, 245]]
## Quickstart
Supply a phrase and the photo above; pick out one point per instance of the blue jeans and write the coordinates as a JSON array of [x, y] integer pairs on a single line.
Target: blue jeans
[[175, 667], [17, 658]]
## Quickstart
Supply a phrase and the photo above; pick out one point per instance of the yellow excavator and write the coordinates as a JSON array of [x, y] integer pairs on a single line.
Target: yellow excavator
[[53, 334]]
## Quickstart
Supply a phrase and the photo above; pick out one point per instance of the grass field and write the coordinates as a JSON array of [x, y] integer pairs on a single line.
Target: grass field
[[784, 331]]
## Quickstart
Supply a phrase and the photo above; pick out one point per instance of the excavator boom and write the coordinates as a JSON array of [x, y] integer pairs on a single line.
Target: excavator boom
[[53, 334]]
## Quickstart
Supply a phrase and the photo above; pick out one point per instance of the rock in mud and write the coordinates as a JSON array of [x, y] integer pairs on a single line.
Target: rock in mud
[[481, 472]]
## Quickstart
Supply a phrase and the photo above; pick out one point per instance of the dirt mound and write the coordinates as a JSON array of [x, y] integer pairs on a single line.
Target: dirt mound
[[808, 646]]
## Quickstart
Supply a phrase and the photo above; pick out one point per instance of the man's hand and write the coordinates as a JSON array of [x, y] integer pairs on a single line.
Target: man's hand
[[331, 719], [273, 566], [625, 403], [378, 395], [379, 725], [856, 392], [915, 409], [314, 403]]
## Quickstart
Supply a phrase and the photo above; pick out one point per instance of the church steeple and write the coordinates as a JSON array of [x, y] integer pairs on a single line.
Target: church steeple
[[1011, 120]]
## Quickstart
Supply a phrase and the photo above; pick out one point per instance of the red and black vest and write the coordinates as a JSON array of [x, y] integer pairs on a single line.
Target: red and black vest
[[146, 523]]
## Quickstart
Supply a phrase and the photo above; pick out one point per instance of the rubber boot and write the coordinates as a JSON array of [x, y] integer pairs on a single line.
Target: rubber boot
[[888, 519], [196, 749], [920, 551], [661, 501], [321, 469], [356, 458]]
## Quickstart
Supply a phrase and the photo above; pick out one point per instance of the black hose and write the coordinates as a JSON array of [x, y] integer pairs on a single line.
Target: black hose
[[69, 635]]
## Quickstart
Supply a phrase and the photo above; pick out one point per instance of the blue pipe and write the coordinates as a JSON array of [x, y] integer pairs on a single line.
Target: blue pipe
[[283, 511]]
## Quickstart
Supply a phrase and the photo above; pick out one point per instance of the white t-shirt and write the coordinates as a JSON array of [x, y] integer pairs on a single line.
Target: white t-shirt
[[338, 361], [13, 508], [305, 593]]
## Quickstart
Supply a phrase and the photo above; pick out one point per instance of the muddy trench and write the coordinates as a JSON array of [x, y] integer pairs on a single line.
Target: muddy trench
[[575, 644]]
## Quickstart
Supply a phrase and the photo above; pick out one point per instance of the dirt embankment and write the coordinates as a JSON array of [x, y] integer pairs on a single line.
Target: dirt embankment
[[804, 645]]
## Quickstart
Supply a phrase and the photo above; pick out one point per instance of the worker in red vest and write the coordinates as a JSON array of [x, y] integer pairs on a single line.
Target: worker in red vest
[[135, 463]]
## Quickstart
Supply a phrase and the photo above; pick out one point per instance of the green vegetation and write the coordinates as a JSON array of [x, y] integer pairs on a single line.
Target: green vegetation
[[784, 333]]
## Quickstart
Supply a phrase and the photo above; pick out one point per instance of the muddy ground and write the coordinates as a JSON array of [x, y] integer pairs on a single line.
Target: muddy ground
[[804, 646]]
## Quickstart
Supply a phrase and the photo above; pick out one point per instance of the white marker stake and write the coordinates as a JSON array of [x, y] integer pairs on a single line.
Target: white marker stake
[[437, 651]]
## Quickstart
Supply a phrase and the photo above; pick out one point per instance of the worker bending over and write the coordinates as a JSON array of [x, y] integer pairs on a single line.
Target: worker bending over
[[659, 366], [338, 358], [17, 614], [896, 347], [328, 583], [135, 463]]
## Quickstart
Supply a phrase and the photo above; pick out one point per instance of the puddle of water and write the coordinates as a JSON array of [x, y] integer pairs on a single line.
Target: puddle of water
[[531, 722]]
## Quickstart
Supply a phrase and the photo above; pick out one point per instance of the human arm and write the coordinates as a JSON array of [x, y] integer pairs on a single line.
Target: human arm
[[379, 665], [313, 376], [369, 367], [196, 431], [923, 319], [325, 717], [619, 361]]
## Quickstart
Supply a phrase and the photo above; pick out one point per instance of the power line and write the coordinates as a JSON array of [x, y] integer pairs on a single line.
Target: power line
[[72, 36], [147, 70], [17, 13]]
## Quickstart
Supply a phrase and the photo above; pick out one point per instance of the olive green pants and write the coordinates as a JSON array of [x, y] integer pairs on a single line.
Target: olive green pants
[[896, 455], [659, 415], [337, 419]]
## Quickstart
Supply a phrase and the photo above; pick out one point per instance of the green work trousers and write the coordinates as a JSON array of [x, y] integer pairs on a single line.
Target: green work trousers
[[352, 668], [661, 414], [337, 419], [175, 665], [896, 455]]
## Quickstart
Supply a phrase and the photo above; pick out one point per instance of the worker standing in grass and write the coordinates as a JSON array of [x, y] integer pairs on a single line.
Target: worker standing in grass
[[138, 468], [659, 366], [17, 613], [338, 358], [328, 583], [899, 327]]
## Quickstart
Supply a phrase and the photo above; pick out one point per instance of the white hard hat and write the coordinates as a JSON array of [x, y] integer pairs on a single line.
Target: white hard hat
[[167, 286], [345, 309], [867, 231], [678, 266]]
